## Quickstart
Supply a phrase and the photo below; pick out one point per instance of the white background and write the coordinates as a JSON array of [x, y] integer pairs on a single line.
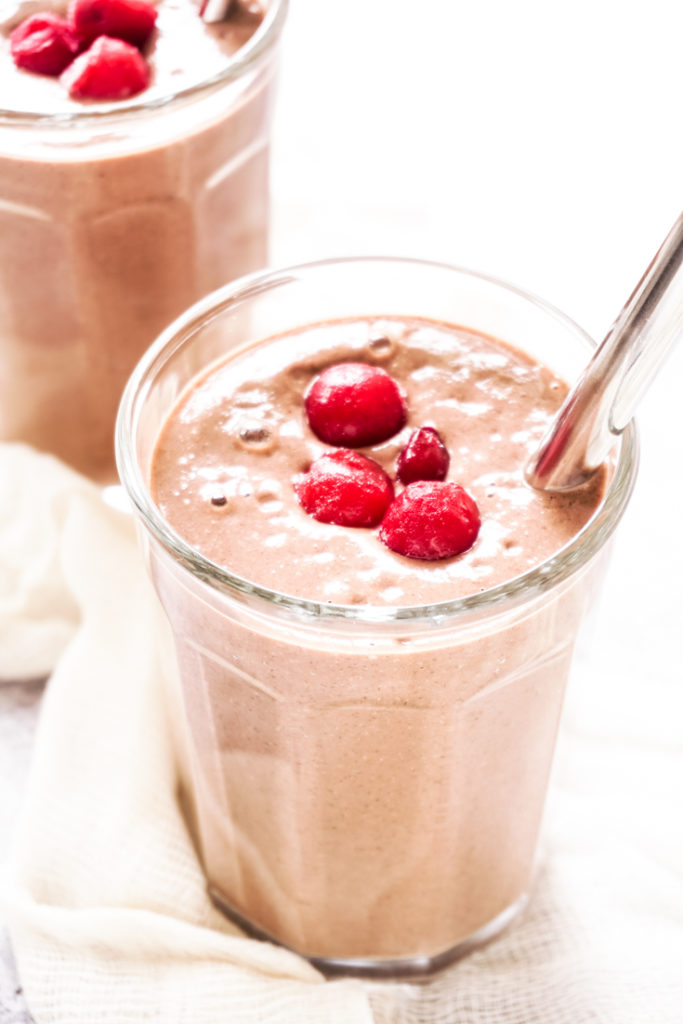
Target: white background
[[541, 143], [538, 142]]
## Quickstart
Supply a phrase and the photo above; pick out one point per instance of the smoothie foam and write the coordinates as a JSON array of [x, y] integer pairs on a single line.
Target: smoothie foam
[[241, 434]]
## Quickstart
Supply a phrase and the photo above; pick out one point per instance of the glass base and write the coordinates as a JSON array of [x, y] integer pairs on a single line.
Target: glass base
[[417, 968]]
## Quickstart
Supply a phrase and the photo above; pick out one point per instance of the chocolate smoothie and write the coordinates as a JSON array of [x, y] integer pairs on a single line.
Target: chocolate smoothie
[[241, 435], [114, 217], [371, 734], [362, 806]]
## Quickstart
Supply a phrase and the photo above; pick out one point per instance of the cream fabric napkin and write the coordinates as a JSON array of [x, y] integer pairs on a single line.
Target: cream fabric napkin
[[104, 896], [106, 901]]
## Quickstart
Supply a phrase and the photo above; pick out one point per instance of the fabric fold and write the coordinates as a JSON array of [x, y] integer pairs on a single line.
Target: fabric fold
[[105, 896]]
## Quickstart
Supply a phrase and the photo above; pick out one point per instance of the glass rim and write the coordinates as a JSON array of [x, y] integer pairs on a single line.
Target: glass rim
[[248, 56], [562, 564]]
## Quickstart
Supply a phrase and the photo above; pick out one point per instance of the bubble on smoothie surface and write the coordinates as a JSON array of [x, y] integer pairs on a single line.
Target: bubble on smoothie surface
[[383, 340], [256, 437]]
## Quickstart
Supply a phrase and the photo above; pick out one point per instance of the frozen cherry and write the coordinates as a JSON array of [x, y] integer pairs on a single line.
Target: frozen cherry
[[425, 457], [110, 69], [431, 519], [346, 488], [44, 44], [355, 404], [132, 20]]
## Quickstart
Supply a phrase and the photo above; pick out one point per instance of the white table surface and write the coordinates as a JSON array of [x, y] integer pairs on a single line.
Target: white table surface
[[536, 142]]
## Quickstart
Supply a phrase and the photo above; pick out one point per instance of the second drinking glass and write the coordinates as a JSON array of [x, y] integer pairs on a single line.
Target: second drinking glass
[[114, 217]]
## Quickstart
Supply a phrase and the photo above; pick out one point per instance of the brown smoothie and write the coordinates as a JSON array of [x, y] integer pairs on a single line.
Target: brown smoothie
[[110, 227], [371, 792], [241, 434]]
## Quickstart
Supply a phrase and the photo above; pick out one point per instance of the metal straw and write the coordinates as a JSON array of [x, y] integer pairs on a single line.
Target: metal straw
[[602, 402]]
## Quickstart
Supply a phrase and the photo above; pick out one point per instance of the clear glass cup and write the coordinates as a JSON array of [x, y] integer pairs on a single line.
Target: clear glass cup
[[114, 218], [369, 781]]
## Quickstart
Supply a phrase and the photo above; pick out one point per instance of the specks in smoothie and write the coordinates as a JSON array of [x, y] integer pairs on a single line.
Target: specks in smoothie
[[269, 496], [554, 390], [381, 348], [511, 548], [256, 437], [218, 499], [508, 489], [383, 340]]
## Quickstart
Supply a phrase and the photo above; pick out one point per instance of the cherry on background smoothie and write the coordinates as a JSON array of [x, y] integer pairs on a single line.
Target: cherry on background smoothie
[[372, 733], [114, 216]]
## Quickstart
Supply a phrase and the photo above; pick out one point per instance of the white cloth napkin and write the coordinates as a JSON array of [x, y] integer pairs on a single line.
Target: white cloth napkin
[[104, 895], [106, 901]]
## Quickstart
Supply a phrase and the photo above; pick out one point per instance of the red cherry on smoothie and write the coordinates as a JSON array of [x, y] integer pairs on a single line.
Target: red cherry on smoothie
[[345, 488], [132, 20], [110, 69], [44, 44], [355, 404], [431, 519], [425, 457]]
